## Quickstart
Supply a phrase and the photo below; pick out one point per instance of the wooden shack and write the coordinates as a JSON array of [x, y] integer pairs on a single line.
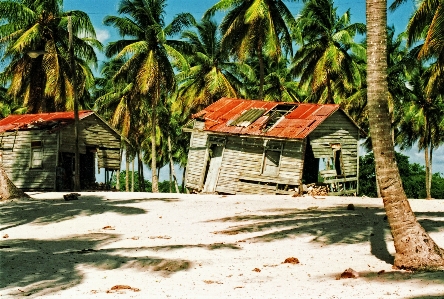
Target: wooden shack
[[37, 151], [256, 147]]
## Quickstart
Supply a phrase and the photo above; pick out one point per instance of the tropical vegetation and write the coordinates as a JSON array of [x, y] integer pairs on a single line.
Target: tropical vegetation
[[156, 75]]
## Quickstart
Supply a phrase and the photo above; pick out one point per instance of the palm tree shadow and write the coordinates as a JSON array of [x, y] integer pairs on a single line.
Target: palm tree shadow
[[328, 225], [32, 267], [16, 213]]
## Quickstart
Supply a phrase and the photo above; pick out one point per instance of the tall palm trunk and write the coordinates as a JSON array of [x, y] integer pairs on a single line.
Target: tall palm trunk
[[261, 70], [172, 171], [184, 180], [429, 196], [140, 170], [127, 171], [414, 248], [329, 91], [132, 176], [428, 156], [427, 169], [155, 180], [37, 103]]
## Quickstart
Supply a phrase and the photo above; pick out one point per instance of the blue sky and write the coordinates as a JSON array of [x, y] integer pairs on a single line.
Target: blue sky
[[98, 9]]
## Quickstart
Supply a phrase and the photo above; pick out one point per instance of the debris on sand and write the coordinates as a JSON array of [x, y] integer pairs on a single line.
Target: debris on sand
[[291, 260], [349, 273], [121, 287], [71, 196]]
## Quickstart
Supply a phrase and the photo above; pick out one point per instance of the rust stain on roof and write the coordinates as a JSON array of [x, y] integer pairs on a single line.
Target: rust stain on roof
[[280, 119], [40, 120]]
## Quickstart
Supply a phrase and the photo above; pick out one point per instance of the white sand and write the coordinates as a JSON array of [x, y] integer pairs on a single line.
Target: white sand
[[206, 246]]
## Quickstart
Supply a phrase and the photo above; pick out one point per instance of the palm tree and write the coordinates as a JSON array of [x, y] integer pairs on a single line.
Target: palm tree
[[399, 60], [423, 120], [324, 58], [118, 103], [280, 84], [252, 26], [425, 27], [39, 27], [210, 74], [147, 56], [414, 247]]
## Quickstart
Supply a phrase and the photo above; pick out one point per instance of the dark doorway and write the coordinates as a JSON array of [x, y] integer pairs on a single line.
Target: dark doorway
[[311, 165], [65, 172], [87, 169], [66, 167]]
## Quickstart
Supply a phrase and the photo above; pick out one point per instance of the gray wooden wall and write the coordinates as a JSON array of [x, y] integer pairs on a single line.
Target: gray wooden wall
[[197, 157], [338, 128], [242, 162], [16, 157]]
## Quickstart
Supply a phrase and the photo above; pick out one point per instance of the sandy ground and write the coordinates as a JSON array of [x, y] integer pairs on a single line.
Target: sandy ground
[[142, 245]]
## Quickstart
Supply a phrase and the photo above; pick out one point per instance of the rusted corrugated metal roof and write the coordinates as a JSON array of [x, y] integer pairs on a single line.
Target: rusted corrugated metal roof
[[40, 120], [297, 120]]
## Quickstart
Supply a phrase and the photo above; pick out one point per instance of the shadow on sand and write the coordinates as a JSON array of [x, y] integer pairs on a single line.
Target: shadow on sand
[[54, 264], [35, 267], [19, 212], [329, 225]]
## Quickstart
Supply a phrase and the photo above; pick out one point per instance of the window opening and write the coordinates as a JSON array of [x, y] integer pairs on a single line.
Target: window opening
[[36, 154], [276, 114], [218, 140]]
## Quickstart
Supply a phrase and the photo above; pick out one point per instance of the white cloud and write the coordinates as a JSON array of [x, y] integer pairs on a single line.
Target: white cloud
[[102, 35]]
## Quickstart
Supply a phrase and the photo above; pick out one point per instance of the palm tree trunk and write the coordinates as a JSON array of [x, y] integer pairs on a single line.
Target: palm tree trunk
[[427, 170], [414, 248], [155, 180], [127, 171], [118, 172], [184, 179], [170, 178], [140, 170], [141, 174], [261, 70], [426, 156], [172, 171], [132, 176], [329, 91], [430, 177]]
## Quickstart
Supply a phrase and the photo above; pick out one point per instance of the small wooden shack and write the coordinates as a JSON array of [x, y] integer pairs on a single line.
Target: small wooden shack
[[256, 147], [37, 151]]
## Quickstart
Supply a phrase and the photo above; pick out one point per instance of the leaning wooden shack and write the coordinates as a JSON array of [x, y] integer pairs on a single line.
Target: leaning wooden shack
[[37, 150], [248, 146]]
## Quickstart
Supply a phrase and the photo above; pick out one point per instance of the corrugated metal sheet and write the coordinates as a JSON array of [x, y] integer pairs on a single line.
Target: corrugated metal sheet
[[40, 120], [297, 123]]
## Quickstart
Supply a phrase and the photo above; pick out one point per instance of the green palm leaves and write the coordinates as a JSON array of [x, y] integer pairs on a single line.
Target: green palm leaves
[[210, 74], [325, 57], [43, 83], [147, 59], [253, 27]]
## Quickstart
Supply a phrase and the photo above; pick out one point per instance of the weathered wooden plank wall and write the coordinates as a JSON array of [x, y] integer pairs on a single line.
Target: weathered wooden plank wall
[[241, 155], [337, 129], [197, 157], [16, 157], [242, 163]]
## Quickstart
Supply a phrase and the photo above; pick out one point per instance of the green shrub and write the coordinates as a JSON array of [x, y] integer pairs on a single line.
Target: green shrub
[[412, 176]]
